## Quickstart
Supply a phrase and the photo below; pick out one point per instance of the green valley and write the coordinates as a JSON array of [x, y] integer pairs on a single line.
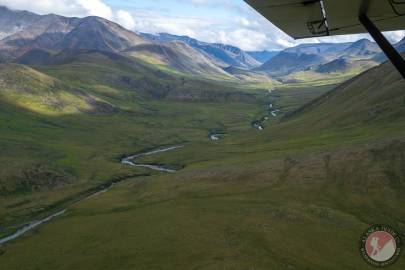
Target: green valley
[[125, 150], [299, 177]]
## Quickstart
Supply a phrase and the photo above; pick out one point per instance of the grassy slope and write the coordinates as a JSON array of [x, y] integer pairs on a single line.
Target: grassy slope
[[60, 150], [295, 196], [29, 88]]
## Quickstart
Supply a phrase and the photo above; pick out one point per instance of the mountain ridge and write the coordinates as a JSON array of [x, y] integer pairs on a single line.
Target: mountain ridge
[[178, 55], [263, 56], [362, 47], [224, 55], [362, 100], [36, 39], [327, 57]]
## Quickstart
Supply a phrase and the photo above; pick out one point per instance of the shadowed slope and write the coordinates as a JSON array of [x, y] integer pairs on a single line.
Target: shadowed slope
[[178, 55]]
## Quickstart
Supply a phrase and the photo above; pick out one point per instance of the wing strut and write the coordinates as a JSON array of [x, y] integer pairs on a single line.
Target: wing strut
[[384, 44]]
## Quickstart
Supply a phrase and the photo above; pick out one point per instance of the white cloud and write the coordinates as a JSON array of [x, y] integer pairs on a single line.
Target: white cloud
[[243, 32], [212, 3], [395, 36], [244, 38], [95, 8], [154, 22], [247, 29], [77, 8], [125, 19]]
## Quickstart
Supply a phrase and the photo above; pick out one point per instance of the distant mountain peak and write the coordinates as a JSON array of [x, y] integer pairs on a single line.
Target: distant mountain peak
[[337, 65], [7, 9], [222, 54], [36, 38], [24, 31], [362, 42], [363, 47], [100, 34]]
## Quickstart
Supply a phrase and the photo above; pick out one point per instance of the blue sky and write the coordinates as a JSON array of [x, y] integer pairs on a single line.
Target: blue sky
[[186, 8], [225, 21]]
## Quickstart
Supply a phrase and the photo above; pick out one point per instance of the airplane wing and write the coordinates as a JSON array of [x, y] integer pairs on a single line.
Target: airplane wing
[[315, 18]]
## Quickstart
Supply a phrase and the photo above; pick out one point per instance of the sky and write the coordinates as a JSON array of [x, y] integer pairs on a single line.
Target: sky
[[223, 21]]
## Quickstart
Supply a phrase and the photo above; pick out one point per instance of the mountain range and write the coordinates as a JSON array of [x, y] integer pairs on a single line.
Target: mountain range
[[315, 56], [52, 32], [243, 171], [34, 39], [223, 55]]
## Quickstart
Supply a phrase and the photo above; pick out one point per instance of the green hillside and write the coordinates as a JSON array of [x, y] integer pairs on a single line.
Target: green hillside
[[122, 150], [373, 98], [64, 126], [296, 195]]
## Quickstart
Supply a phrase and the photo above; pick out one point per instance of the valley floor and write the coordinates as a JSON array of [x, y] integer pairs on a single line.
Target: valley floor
[[296, 195], [246, 210]]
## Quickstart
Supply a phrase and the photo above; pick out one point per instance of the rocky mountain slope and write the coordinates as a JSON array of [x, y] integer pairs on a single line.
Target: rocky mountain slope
[[223, 55], [326, 58], [53, 32], [362, 48], [94, 33], [177, 55], [45, 39], [287, 62], [12, 21], [34, 39], [31, 31]]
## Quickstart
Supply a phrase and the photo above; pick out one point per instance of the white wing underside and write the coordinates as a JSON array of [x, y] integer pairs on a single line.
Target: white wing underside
[[306, 18]]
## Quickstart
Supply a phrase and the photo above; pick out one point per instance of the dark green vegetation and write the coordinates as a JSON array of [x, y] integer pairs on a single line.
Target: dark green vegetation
[[297, 195], [64, 127]]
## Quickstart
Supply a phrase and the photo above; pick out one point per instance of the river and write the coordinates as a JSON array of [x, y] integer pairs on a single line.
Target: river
[[129, 160]]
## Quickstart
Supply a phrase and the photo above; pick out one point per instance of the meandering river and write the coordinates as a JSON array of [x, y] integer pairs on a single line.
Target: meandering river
[[129, 160]]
